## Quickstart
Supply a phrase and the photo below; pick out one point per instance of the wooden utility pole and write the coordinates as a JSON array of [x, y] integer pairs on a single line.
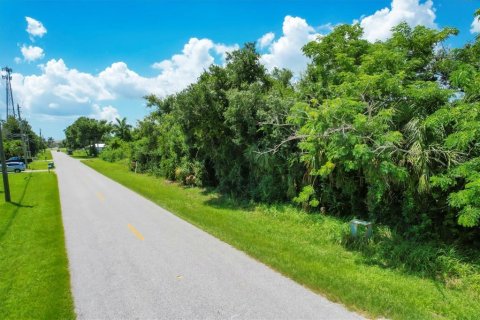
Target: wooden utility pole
[[6, 186], [25, 144]]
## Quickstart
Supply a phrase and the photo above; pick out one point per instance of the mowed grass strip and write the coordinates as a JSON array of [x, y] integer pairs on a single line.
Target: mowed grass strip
[[43, 158], [45, 155], [80, 154], [38, 165], [305, 248], [34, 276]]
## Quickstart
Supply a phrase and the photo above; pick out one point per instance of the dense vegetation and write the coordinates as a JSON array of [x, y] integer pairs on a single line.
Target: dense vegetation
[[385, 131], [13, 142], [85, 133]]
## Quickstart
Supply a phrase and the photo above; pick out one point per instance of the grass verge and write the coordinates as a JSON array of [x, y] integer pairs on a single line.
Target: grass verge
[[38, 165], [34, 277], [43, 158], [45, 155], [310, 249], [81, 154]]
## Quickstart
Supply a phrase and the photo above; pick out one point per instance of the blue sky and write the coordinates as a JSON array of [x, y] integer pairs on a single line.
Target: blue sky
[[98, 58]]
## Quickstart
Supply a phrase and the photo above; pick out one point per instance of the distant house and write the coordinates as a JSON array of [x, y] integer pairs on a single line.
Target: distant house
[[99, 146]]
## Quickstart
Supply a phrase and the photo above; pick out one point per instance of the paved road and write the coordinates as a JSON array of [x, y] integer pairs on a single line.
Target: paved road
[[131, 259]]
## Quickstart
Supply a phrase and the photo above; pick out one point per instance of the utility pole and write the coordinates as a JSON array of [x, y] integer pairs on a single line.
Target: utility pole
[[9, 102], [6, 186], [11, 113], [41, 141], [25, 142]]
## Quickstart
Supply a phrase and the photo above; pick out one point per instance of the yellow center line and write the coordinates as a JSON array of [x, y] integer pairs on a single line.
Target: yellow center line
[[100, 196], [135, 232]]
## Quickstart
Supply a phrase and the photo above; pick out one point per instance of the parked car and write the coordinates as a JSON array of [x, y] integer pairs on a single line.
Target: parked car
[[15, 167], [15, 159], [19, 159]]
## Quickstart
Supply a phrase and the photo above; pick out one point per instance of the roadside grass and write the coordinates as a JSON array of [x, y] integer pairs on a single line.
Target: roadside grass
[[80, 154], [45, 155], [34, 276], [43, 158], [314, 250], [38, 165]]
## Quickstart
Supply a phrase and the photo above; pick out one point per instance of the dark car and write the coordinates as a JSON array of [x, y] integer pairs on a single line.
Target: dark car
[[15, 159]]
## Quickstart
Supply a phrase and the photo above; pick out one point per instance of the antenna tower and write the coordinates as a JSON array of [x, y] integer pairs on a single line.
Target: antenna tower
[[9, 95], [16, 114]]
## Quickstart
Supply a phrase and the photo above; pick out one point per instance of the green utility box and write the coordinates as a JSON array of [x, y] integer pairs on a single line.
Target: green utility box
[[356, 224]]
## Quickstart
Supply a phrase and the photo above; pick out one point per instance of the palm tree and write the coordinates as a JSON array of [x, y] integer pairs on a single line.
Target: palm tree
[[122, 129]]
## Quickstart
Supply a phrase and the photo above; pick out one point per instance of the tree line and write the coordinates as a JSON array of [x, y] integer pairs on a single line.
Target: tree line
[[13, 141], [386, 131]]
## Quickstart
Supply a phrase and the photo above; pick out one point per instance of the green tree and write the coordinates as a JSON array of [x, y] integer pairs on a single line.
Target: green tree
[[122, 129], [12, 135], [362, 125], [387, 131], [86, 132]]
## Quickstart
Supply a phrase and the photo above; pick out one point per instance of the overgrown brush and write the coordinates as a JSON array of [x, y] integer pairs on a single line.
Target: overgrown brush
[[454, 266]]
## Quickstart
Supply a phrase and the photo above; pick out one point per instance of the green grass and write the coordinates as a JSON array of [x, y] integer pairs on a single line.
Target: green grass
[[311, 249], [34, 277], [38, 165], [80, 154], [43, 158], [45, 155]]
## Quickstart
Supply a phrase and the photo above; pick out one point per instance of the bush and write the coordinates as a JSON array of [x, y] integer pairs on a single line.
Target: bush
[[116, 150], [439, 261]]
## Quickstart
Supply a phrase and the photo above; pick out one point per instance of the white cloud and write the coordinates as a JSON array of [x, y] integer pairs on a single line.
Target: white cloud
[[266, 40], [60, 91], [108, 113], [31, 53], [378, 26], [17, 60], [475, 27], [35, 28], [286, 52], [182, 69]]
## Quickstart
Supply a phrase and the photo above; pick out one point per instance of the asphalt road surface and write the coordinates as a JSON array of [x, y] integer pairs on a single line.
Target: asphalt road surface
[[131, 259]]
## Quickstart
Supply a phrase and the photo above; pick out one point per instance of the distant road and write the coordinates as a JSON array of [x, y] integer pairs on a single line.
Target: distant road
[[131, 259]]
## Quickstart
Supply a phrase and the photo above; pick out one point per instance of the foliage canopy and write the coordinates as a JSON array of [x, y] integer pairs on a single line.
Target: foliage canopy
[[386, 131]]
